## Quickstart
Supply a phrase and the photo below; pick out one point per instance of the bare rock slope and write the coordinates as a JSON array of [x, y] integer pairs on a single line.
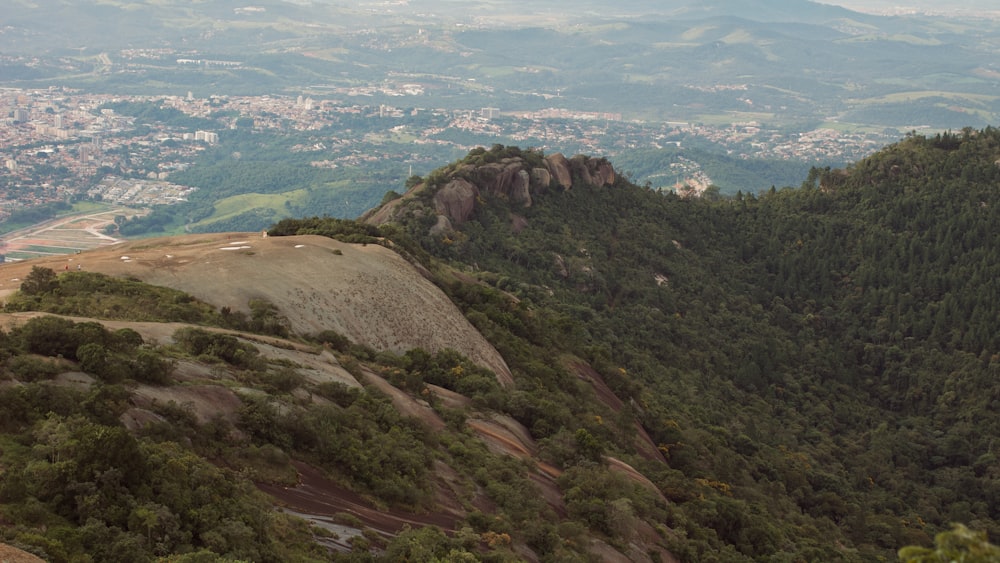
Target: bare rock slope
[[368, 293]]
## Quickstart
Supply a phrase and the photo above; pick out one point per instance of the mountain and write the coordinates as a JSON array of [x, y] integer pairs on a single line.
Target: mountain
[[781, 63], [816, 343], [524, 357], [784, 11]]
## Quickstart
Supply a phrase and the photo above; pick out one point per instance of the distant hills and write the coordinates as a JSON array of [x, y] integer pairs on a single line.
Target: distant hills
[[796, 62]]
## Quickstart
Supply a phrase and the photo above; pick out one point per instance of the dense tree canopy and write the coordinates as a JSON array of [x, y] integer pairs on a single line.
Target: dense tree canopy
[[825, 353], [801, 374]]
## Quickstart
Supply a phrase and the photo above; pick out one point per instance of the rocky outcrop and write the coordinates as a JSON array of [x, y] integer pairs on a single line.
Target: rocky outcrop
[[560, 170], [592, 171], [512, 179], [11, 554], [541, 176], [506, 179], [442, 226], [521, 189], [391, 211], [456, 200], [602, 172], [365, 292]]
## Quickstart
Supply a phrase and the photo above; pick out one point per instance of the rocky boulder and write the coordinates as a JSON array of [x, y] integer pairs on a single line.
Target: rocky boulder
[[601, 171], [456, 200], [592, 171], [507, 179], [514, 179], [541, 177], [559, 168]]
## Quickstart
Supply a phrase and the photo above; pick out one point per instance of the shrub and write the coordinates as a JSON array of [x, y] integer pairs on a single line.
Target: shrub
[[221, 347], [334, 340], [50, 336], [39, 281], [33, 368], [338, 393]]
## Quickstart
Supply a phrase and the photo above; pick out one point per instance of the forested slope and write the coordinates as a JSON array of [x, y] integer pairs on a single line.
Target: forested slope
[[818, 365], [806, 374]]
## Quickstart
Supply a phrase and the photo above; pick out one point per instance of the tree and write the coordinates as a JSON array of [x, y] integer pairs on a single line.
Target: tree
[[39, 281], [50, 336], [958, 544]]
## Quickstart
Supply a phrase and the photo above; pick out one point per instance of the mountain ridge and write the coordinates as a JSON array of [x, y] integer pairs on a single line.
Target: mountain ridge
[[800, 373]]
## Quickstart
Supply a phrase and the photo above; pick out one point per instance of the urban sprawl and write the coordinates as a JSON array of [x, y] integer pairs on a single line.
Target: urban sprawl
[[59, 145]]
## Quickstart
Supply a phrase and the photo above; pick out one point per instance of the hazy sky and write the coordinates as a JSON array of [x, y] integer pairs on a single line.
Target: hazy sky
[[935, 6]]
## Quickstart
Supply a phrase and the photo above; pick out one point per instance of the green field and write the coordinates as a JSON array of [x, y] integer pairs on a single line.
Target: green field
[[42, 249], [911, 96]]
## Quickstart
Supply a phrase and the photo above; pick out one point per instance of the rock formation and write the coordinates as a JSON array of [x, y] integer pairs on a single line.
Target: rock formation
[[512, 179]]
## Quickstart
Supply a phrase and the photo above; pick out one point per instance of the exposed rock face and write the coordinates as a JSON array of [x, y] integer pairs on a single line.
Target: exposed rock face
[[521, 189], [384, 214], [541, 177], [367, 293], [561, 268], [10, 554], [559, 168], [511, 179], [579, 169], [593, 171], [507, 179], [456, 200], [602, 172], [390, 211], [442, 227]]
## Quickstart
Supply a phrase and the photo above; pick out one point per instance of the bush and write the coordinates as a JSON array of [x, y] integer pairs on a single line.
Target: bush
[[150, 366], [337, 392], [33, 368], [97, 360], [334, 340], [50, 336], [285, 380], [39, 281], [221, 347]]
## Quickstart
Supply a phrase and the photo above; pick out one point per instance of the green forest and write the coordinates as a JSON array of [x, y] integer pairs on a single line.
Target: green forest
[[828, 352], [730, 174], [804, 374]]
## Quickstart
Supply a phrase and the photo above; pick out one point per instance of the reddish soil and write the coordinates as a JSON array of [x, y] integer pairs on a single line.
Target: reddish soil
[[404, 403], [315, 495], [644, 443], [10, 554]]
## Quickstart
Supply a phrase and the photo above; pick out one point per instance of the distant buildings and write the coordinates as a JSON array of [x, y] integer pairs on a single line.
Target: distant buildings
[[207, 136]]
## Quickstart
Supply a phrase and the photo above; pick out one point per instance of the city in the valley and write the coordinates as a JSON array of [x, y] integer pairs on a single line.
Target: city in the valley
[[61, 145]]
